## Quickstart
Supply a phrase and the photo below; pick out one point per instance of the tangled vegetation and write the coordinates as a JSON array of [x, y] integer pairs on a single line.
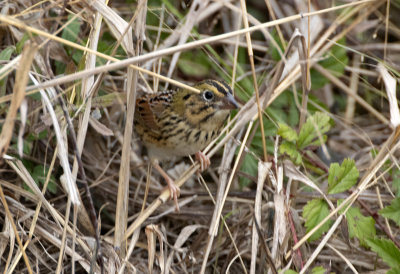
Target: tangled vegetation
[[303, 178]]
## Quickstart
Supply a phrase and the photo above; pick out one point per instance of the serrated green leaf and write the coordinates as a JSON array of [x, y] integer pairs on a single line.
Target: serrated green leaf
[[314, 212], [306, 135], [291, 150], [317, 124], [392, 211], [287, 132], [318, 270], [343, 177], [358, 225], [387, 250]]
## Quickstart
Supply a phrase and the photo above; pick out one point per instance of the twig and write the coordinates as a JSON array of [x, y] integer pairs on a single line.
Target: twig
[[92, 210]]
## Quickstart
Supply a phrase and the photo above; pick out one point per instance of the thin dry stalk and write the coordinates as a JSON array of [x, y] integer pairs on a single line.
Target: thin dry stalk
[[159, 53], [10, 218], [253, 72], [196, 8], [322, 243], [350, 106], [86, 73], [18, 96], [213, 229], [24, 174], [343, 257], [263, 170], [349, 92], [63, 239], [181, 242], [124, 173], [304, 58], [87, 84], [250, 113], [70, 185]]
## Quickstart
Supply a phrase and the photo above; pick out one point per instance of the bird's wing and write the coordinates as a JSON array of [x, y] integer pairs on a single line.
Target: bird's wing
[[149, 109]]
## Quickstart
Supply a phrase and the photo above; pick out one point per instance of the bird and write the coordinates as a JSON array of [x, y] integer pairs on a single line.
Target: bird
[[176, 123]]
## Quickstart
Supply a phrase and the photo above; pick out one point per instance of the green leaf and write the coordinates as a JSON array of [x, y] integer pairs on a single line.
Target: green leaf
[[194, 64], [193, 68], [26, 147], [33, 136], [387, 250], [289, 271], [314, 212], [71, 32], [250, 167], [284, 109], [77, 57], [106, 45], [291, 150], [5, 55], [393, 211], [342, 178], [358, 225], [21, 43], [335, 61], [316, 125], [275, 55], [318, 270], [171, 8], [287, 132], [257, 143], [39, 175], [395, 270]]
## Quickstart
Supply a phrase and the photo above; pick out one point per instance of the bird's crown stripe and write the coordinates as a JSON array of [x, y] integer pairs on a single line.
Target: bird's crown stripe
[[221, 88]]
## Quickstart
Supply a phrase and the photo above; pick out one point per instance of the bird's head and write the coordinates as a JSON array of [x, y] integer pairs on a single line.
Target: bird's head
[[208, 109]]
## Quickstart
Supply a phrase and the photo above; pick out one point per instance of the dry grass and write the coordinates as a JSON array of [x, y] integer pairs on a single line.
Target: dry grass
[[98, 197]]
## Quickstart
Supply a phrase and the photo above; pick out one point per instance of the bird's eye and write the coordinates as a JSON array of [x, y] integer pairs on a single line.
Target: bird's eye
[[208, 95]]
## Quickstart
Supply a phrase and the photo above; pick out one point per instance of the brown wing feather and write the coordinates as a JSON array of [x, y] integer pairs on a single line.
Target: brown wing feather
[[150, 107], [146, 116]]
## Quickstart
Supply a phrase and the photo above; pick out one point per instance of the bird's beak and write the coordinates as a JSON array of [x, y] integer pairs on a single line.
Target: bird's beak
[[229, 102]]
